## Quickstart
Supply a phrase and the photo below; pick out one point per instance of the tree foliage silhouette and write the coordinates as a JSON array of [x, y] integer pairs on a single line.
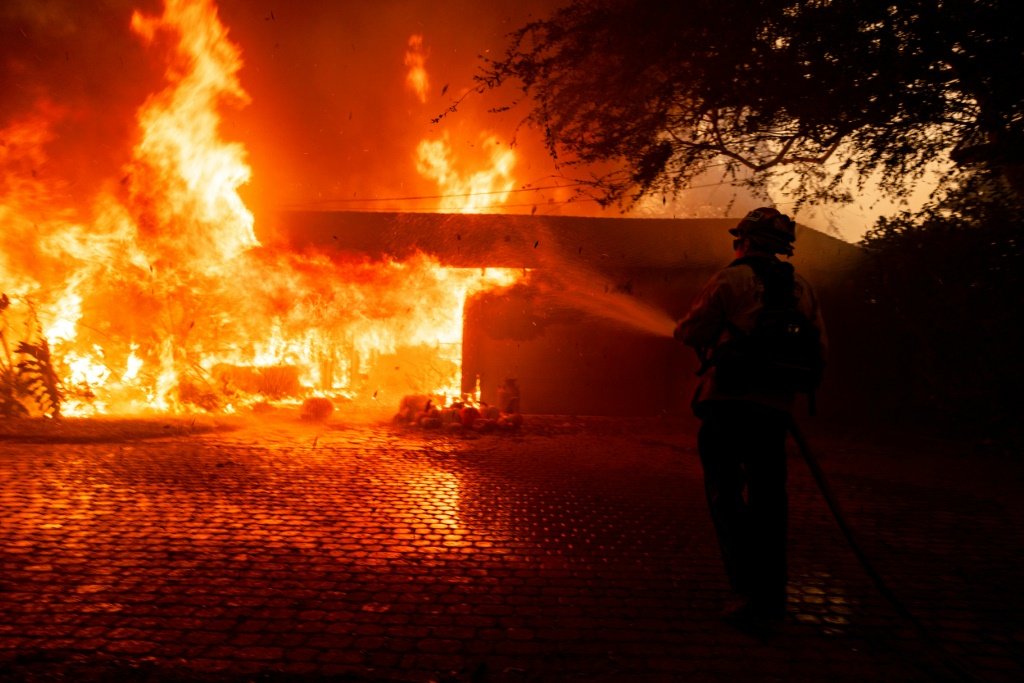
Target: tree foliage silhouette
[[657, 93], [945, 286]]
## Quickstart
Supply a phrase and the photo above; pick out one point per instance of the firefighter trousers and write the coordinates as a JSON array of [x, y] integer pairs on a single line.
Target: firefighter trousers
[[743, 452]]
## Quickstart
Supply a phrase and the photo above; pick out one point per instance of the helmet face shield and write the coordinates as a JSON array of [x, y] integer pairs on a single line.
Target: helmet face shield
[[769, 229]]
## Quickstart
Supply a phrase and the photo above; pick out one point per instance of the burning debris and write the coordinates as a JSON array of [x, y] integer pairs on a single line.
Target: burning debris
[[467, 414], [316, 409]]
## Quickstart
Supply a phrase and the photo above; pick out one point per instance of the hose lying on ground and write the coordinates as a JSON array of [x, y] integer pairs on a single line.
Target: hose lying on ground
[[953, 666]]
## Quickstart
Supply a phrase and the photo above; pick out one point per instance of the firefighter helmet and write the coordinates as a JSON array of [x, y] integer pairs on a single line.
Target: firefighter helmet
[[769, 229]]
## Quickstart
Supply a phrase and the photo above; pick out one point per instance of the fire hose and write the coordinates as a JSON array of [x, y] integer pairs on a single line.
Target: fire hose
[[955, 668]]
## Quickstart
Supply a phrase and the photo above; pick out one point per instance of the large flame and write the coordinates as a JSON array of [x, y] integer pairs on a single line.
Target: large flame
[[180, 151], [158, 295]]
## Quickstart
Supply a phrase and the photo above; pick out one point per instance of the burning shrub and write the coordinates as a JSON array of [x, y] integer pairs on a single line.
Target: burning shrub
[[29, 382]]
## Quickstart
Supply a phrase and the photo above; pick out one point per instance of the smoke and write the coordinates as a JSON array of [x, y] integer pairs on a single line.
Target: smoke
[[78, 66]]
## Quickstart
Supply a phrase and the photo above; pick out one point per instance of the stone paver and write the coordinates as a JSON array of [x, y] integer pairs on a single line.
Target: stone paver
[[577, 551]]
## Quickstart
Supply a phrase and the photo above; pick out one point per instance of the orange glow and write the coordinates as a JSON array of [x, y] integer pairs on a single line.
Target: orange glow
[[158, 295], [465, 186], [416, 78], [468, 192]]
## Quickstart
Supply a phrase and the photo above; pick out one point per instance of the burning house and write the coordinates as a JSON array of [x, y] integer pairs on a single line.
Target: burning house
[[154, 289]]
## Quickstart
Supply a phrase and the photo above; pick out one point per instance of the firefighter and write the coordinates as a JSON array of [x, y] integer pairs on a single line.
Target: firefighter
[[742, 438]]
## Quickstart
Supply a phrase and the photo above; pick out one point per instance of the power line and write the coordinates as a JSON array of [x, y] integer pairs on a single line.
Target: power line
[[442, 196], [464, 195], [478, 209]]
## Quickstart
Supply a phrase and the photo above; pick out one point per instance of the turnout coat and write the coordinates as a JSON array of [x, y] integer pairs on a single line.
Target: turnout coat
[[731, 300]]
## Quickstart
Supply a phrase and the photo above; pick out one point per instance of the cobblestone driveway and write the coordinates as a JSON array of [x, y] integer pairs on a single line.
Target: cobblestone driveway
[[576, 551]]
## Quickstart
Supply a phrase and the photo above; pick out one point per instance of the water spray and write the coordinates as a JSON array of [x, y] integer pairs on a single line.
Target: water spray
[[593, 293]]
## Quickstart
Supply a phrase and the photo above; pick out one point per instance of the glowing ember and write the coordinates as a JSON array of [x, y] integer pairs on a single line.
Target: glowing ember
[[158, 296]]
